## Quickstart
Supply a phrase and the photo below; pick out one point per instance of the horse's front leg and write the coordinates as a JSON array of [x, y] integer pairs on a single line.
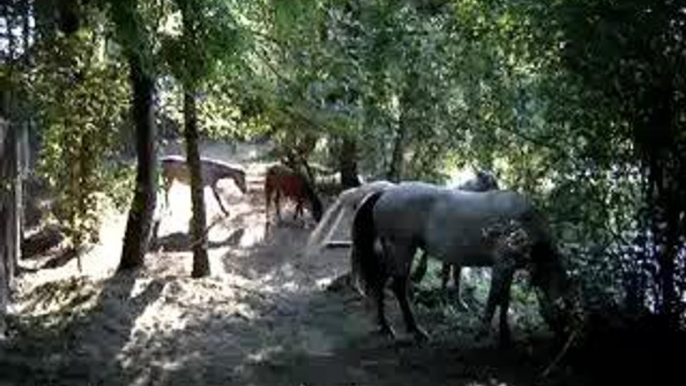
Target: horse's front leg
[[277, 203], [167, 192], [498, 294], [219, 201], [298, 209], [505, 335]]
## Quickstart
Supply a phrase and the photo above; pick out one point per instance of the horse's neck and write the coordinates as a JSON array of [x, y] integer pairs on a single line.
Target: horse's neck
[[213, 172]]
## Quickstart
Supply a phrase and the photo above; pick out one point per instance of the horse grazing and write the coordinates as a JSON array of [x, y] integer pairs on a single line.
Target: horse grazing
[[282, 180], [458, 227], [483, 181], [175, 168]]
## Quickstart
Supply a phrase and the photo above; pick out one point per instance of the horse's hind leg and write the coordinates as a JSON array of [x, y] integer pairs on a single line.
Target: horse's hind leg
[[399, 287], [384, 327], [456, 271], [401, 256]]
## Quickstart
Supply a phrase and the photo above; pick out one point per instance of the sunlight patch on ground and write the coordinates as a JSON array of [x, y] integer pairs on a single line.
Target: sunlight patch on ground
[[252, 236], [324, 282]]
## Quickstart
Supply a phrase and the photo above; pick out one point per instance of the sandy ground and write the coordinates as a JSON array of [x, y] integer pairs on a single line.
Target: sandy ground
[[266, 316]]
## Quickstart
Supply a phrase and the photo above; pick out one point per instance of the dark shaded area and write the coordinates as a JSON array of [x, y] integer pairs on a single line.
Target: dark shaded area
[[37, 201], [365, 362], [61, 258], [42, 241], [622, 350], [23, 358], [181, 241]]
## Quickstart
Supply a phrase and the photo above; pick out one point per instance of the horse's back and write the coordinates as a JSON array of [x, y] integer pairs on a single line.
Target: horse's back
[[448, 223]]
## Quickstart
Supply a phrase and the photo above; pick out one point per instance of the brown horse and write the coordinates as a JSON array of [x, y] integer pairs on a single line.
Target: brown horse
[[282, 180]]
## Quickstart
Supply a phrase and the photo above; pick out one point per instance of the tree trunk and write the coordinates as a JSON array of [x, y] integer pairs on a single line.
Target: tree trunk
[[201, 264], [139, 224], [347, 163], [11, 183], [396, 166], [8, 246]]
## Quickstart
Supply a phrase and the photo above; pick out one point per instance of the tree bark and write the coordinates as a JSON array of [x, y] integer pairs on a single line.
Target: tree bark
[[8, 244], [396, 166], [139, 224], [347, 164], [201, 264], [10, 176]]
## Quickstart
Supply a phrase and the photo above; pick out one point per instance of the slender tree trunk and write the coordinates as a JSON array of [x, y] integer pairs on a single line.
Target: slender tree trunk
[[396, 167], [347, 163], [139, 224], [7, 246], [662, 155], [11, 177], [201, 264]]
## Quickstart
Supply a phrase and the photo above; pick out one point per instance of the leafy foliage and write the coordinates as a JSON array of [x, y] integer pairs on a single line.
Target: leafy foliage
[[579, 104], [82, 101]]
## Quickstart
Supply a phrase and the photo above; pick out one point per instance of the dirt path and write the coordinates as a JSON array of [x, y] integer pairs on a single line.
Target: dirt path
[[265, 317]]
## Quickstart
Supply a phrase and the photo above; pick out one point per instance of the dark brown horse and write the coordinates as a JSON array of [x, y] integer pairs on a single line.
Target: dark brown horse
[[283, 181]]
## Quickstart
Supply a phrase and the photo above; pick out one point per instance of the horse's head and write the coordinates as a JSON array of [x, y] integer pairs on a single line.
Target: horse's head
[[558, 301], [484, 181]]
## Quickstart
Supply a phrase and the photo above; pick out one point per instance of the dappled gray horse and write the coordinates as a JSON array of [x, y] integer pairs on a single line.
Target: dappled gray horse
[[483, 181], [454, 226], [175, 168]]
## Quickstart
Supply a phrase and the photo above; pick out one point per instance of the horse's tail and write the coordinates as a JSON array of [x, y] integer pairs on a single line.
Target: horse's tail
[[365, 263], [328, 221]]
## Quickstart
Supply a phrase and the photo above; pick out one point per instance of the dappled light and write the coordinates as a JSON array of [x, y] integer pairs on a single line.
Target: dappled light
[[301, 193], [268, 306]]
